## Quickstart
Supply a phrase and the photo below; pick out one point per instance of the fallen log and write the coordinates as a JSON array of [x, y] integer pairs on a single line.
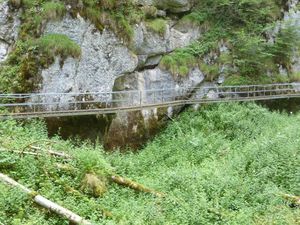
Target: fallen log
[[120, 181], [57, 154], [54, 153], [21, 152], [44, 202], [37, 141], [292, 198], [134, 185], [115, 178]]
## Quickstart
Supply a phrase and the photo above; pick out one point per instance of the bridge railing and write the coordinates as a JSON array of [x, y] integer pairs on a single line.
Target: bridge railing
[[56, 102]]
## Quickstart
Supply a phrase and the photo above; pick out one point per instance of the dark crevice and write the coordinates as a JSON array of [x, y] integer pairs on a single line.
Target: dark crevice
[[151, 67]]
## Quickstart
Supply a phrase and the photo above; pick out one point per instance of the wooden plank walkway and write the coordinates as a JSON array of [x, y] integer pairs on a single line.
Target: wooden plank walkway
[[37, 105]]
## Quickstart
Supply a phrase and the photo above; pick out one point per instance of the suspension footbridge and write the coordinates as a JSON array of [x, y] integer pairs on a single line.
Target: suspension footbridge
[[42, 105]]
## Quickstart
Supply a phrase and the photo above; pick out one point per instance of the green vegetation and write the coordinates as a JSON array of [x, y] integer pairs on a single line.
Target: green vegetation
[[32, 52], [178, 63], [225, 164], [53, 10], [150, 11], [242, 26], [158, 26], [295, 77], [117, 15], [20, 73], [58, 44]]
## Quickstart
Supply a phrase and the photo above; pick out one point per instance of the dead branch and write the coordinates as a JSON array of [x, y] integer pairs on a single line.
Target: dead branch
[[134, 185], [21, 152], [40, 200], [37, 141], [115, 178], [54, 153], [292, 198], [57, 154]]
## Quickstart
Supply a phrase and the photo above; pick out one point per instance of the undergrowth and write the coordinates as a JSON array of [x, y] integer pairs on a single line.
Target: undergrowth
[[157, 25], [243, 28], [225, 164]]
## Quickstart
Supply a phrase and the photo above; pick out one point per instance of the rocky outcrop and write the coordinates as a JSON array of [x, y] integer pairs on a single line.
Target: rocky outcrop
[[108, 64], [9, 24], [292, 17], [174, 6], [150, 45], [104, 58], [134, 128]]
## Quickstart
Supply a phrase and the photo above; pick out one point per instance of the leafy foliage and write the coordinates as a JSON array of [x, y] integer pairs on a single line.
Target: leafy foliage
[[243, 27], [58, 44], [225, 164], [157, 25]]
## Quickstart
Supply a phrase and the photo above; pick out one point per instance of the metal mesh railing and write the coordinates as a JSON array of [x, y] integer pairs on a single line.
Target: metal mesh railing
[[56, 104]]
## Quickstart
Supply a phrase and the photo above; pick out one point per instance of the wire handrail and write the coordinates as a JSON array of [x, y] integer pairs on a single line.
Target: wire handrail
[[20, 105], [3, 95]]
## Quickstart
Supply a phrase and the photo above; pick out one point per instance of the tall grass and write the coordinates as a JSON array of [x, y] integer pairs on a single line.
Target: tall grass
[[225, 164], [58, 44]]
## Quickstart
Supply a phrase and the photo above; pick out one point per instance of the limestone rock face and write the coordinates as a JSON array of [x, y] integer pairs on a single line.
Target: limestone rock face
[[145, 2], [107, 64], [136, 127], [293, 18], [157, 79], [148, 44], [174, 6], [3, 50], [9, 24], [104, 58]]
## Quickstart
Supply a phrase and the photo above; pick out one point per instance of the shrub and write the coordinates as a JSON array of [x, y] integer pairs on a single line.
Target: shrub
[[150, 11], [157, 25], [223, 164], [53, 10], [179, 63], [295, 77], [58, 44]]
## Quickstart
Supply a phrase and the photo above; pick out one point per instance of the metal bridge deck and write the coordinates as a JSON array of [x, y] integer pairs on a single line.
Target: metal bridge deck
[[39, 105]]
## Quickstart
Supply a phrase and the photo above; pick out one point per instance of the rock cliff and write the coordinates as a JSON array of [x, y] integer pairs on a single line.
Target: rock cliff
[[109, 62], [9, 24]]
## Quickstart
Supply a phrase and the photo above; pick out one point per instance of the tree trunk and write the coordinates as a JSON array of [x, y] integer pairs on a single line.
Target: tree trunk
[[40, 200], [133, 185]]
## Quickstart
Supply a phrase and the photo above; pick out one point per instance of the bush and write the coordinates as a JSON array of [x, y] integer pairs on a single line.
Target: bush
[[158, 25], [224, 164], [178, 63], [53, 10], [58, 44], [243, 27], [295, 77]]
